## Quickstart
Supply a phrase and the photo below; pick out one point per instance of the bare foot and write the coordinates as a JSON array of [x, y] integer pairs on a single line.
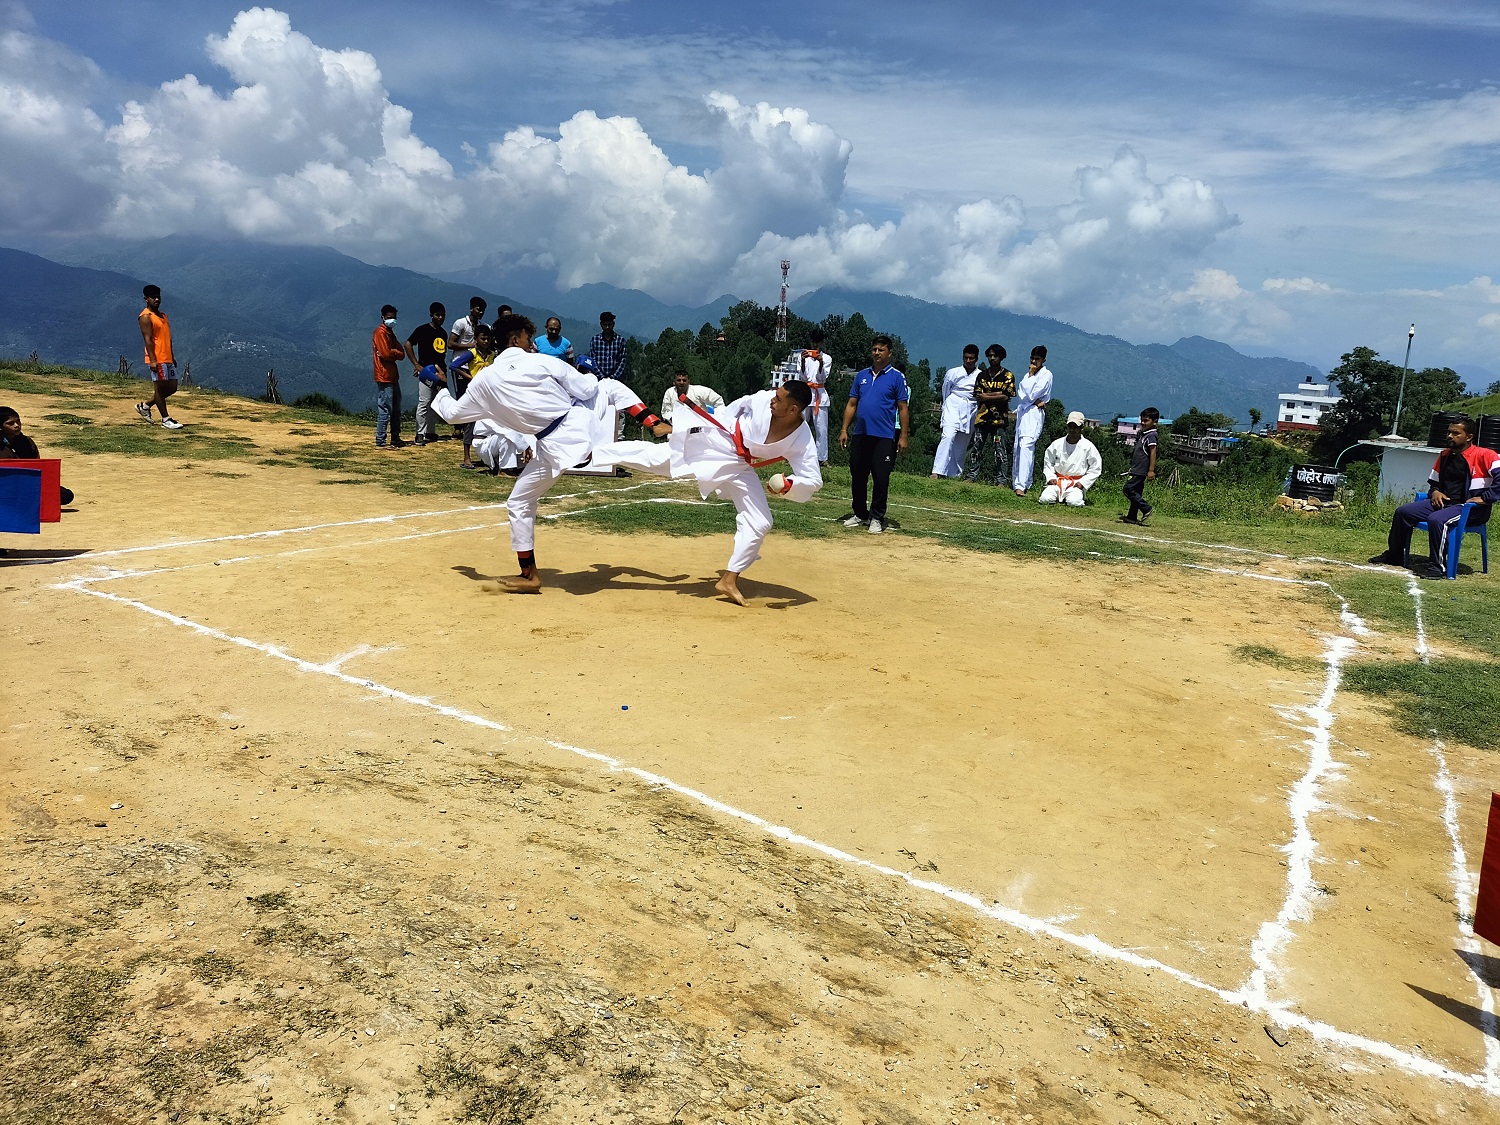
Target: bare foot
[[661, 429], [522, 584], [729, 585]]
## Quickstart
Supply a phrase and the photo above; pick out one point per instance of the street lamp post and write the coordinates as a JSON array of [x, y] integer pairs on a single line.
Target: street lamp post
[[1401, 394]]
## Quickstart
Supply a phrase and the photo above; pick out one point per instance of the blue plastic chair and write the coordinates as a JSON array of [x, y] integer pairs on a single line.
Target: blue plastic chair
[[1456, 538]]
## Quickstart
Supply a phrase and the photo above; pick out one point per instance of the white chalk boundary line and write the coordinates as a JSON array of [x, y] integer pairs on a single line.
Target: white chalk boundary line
[[1272, 937], [276, 533], [1465, 884], [1016, 521]]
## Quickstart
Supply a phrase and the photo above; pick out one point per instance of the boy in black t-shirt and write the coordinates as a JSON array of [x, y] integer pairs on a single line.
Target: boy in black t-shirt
[[1142, 467], [428, 346], [993, 390]]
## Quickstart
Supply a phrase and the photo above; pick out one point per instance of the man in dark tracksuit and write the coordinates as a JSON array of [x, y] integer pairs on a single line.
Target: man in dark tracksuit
[[1463, 473]]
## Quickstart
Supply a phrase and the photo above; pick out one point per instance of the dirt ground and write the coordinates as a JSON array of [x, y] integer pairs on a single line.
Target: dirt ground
[[314, 826]]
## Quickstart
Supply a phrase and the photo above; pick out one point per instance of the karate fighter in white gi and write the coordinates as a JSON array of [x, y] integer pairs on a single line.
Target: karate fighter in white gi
[[536, 396], [814, 366], [723, 449], [959, 408], [1033, 393], [1070, 466]]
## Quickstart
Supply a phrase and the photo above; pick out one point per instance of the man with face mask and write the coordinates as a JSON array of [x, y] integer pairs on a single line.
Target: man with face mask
[[388, 355]]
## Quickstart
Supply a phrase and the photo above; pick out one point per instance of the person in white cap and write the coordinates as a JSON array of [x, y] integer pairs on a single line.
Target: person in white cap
[[1070, 466]]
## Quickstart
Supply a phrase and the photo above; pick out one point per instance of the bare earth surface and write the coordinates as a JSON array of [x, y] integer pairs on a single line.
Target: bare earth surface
[[316, 826]]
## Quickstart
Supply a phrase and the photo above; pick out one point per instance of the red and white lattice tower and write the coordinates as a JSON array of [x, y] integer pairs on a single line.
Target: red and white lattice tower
[[786, 268]]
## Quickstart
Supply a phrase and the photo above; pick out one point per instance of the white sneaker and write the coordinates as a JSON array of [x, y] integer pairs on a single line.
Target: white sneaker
[[144, 410], [171, 424], [877, 525], [853, 521]]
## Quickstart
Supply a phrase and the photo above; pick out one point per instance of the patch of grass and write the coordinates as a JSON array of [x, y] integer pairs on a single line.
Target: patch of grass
[[295, 934], [138, 440], [1462, 612], [271, 900], [175, 1074], [227, 476], [1275, 658], [1456, 700], [69, 419], [213, 969], [630, 1077], [506, 1102]]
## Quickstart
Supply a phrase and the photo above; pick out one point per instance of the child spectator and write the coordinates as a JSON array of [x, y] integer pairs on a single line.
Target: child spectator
[[462, 368], [16, 446], [1142, 468]]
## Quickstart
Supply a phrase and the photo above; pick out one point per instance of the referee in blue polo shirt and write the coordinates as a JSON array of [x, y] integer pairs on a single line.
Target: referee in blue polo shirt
[[878, 396]]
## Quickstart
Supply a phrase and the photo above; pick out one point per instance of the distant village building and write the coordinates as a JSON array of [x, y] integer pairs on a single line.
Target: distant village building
[[1304, 409], [1127, 428]]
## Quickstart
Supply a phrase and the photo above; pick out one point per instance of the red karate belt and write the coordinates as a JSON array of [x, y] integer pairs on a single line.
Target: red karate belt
[[734, 435], [1487, 910]]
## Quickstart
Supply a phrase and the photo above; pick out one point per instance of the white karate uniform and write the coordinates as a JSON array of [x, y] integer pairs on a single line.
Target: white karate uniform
[[959, 408], [527, 392], [701, 449], [703, 396], [1032, 395], [1070, 471], [499, 447], [814, 371]]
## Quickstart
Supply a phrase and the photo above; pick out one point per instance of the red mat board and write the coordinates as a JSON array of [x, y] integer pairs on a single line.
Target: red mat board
[[51, 485], [1487, 912]]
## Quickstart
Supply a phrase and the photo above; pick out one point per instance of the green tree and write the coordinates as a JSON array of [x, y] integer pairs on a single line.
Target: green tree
[[1371, 386], [1254, 419], [1194, 423]]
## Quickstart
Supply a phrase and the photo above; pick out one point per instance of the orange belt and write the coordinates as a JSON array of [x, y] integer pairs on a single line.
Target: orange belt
[[1065, 483], [816, 406], [734, 435]]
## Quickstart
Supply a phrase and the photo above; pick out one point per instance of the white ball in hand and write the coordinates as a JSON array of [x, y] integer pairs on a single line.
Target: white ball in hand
[[777, 484]]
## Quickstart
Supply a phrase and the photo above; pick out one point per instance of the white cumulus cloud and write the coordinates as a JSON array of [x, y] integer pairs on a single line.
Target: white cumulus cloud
[[296, 142]]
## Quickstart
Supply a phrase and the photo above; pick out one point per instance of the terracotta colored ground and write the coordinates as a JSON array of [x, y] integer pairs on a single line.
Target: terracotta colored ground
[[346, 904]]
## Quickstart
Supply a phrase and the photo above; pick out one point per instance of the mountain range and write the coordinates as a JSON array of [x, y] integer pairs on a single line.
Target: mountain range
[[239, 309]]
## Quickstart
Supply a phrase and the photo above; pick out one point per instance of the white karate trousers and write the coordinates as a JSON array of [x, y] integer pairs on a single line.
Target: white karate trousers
[[1072, 496], [948, 461], [555, 454], [1028, 430], [752, 521]]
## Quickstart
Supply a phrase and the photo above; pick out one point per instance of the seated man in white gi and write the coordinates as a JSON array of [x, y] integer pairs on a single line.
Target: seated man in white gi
[[1070, 466], [723, 449], [533, 396], [682, 386]]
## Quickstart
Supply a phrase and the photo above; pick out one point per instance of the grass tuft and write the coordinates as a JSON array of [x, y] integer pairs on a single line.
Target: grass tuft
[[1453, 699], [1275, 658]]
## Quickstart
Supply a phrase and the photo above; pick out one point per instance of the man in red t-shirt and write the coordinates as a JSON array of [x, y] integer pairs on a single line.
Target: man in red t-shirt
[[388, 354], [1464, 473]]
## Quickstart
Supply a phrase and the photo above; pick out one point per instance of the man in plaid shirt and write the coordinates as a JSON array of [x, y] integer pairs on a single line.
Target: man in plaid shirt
[[607, 350]]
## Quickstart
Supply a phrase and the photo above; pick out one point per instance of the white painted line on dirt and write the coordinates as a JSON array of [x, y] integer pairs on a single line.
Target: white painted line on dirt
[[277, 532], [1280, 1012], [329, 669], [980, 517], [1465, 886], [1302, 801]]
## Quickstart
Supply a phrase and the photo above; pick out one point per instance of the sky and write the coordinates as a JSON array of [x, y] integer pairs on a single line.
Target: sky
[[1295, 177]]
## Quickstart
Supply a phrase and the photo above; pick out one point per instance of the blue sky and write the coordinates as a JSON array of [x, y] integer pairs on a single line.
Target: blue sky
[[1293, 177]]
